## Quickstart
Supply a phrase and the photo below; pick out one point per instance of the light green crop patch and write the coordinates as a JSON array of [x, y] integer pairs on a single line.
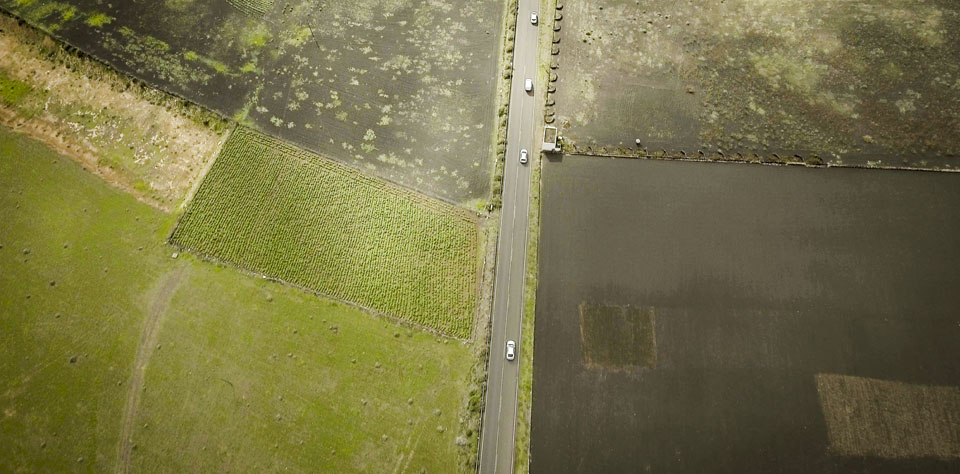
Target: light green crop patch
[[12, 91], [97, 20], [275, 210]]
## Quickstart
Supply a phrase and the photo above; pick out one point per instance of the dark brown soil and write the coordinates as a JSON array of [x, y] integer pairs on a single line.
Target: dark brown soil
[[763, 281]]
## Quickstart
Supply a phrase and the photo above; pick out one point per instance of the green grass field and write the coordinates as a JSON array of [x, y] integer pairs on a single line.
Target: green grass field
[[246, 375], [275, 210]]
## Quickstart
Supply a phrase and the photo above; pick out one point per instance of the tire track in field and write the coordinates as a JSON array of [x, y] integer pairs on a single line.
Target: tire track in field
[[148, 342]]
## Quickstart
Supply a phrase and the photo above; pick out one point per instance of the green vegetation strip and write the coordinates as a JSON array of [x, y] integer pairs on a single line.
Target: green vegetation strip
[[273, 209]]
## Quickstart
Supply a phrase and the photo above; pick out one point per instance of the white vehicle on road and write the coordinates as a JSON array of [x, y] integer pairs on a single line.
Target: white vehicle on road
[[523, 156], [533, 18], [511, 350], [528, 85]]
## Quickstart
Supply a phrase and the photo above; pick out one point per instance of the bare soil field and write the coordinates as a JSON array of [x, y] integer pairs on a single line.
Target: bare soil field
[[801, 320], [403, 89], [865, 83]]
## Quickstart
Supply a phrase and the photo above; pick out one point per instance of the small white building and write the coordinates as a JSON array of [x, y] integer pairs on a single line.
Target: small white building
[[550, 143]]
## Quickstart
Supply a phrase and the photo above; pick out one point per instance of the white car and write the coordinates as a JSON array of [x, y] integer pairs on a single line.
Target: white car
[[533, 18], [528, 85], [511, 350], [523, 156]]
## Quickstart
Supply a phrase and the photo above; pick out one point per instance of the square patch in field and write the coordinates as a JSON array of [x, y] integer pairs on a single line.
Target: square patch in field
[[890, 419], [617, 337]]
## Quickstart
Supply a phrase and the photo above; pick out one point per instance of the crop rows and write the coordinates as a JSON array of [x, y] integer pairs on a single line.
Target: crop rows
[[252, 7], [276, 210]]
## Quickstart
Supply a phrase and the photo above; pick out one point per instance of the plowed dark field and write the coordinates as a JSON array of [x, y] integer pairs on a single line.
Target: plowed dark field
[[803, 320]]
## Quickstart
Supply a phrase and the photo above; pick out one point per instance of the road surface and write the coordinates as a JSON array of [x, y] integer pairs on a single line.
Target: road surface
[[499, 425]]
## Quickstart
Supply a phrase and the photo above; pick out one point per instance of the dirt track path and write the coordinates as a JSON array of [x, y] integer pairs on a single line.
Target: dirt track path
[[148, 342]]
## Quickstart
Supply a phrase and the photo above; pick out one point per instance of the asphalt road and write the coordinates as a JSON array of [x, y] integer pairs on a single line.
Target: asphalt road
[[499, 425]]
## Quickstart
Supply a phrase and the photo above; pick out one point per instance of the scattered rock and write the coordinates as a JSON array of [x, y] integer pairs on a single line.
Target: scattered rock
[[437, 412], [377, 365], [690, 90], [410, 401], [73, 359], [384, 437], [440, 429], [80, 459], [867, 139], [175, 255]]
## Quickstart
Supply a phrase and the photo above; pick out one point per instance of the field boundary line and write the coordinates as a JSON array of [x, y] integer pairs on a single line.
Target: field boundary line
[[366, 309], [206, 169], [316, 160], [148, 342], [769, 159]]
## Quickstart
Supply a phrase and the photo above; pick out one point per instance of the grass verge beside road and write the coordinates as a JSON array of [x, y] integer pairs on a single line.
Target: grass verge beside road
[[247, 375]]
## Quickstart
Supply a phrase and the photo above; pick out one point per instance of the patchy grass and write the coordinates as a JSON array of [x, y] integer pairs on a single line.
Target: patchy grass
[[141, 140], [247, 376], [273, 209], [97, 20], [12, 91]]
